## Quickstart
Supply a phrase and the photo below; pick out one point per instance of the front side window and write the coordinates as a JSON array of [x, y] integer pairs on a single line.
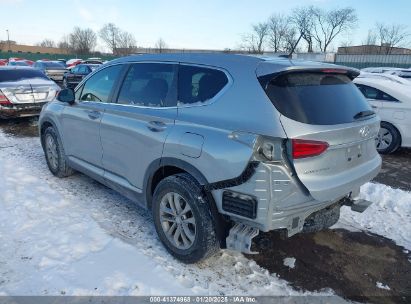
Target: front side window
[[98, 87], [149, 85], [198, 84]]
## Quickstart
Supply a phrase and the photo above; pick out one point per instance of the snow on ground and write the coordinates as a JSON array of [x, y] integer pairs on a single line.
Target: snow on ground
[[382, 286], [389, 215], [289, 262], [74, 236]]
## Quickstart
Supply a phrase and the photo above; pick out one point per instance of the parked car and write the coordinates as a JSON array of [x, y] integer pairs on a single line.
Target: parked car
[[71, 63], [73, 77], [18, 63], [391, 99], [400, 72], [217, 146], [23, 91], [53, 69]]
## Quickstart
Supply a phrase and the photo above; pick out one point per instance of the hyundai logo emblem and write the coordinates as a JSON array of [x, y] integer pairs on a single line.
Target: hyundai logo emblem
[[364, 131]]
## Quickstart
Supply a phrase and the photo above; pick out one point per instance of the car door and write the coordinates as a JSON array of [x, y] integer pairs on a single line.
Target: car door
[[71, 75], [81, 121], [134, 129]]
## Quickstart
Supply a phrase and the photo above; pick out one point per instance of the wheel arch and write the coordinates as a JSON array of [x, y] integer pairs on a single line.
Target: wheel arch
[[45, 123], [167, 166], [164, 167]]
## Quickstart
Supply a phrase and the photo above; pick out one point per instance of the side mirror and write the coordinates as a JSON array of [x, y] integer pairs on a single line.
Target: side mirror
[[66, 95]]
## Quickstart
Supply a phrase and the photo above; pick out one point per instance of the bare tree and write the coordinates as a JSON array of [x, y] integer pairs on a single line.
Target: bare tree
[[371, 38], [47, 43], [330, 24], [254, 42], [64, 44], [290, 40], [278, 28], [304, 20], [126, 43], [110, 34], [160, 45], [391, 35], [83, 41]]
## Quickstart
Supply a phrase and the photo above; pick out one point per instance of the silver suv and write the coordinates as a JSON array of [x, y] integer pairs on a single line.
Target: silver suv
[[218, 146]]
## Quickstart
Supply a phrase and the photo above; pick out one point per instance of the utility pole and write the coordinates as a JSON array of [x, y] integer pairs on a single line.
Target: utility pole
[[8, 39]]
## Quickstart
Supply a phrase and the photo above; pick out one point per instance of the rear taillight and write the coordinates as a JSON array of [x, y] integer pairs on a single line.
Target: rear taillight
[[3, 99], [307, 148]]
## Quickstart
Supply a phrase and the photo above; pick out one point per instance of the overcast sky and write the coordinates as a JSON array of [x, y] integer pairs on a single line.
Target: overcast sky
[[207, 24]]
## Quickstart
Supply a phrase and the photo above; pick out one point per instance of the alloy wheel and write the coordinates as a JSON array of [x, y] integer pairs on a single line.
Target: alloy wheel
[[177, 220]]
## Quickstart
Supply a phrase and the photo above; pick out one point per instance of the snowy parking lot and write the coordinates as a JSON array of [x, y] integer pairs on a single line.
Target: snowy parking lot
[[74, 236]]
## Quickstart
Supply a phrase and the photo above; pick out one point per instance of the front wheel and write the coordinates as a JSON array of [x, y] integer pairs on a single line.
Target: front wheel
[[388, 139], [54, 152], [183, 220]]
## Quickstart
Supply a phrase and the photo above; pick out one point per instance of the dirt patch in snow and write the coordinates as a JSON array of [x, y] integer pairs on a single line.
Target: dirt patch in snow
[[351, 263], [20, 127], [396, 170]]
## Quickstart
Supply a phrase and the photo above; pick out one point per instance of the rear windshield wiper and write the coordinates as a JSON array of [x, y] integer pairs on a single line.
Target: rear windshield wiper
[[363, 114]]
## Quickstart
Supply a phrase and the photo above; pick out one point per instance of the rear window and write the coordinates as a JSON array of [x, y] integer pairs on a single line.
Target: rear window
[[316, 98], [20, 74]]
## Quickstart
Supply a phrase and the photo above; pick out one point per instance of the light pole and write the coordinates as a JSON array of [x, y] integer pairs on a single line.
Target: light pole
[[8, 39]]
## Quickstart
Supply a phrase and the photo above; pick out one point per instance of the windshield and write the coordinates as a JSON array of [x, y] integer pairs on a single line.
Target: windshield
[[317, 98], [20, 74]]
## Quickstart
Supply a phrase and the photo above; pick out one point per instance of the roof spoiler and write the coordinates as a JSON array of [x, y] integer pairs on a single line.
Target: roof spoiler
[[265, 75]]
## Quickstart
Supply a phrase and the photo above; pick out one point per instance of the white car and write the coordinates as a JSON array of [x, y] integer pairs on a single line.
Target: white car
[[390, 97]]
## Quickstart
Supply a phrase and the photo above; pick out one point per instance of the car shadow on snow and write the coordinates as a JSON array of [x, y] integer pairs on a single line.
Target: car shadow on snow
[[350, 263]]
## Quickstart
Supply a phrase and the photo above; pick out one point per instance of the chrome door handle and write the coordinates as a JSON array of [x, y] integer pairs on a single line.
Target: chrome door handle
[[156, 126], [93, 114]]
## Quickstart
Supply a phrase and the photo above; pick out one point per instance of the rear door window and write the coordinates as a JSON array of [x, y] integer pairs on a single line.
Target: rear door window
[[198, 84], [316, 98], [149, 85]]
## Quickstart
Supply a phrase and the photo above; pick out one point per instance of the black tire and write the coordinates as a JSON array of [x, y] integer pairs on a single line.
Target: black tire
[[57, 166], [388, 139], [205, 242]]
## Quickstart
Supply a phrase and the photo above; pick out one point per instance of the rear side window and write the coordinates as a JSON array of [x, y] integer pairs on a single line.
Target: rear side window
[[149, 85], [198, 84], [316, 98], [373, 93], [98, 87], [20, 74]]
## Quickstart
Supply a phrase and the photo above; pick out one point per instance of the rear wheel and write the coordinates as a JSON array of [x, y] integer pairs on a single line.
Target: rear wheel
[[54, 152], [388, 139], [183, 220]]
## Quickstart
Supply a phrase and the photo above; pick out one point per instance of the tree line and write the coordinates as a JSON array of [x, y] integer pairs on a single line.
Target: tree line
[[84, 41], [317, 29]]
